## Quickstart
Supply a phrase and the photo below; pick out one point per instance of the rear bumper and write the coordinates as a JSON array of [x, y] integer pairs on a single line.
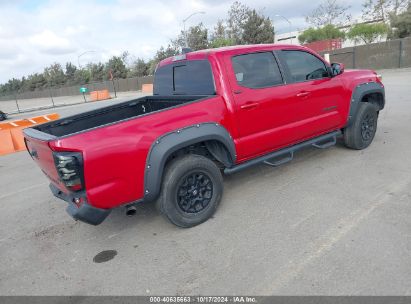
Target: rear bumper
[[85, 213]]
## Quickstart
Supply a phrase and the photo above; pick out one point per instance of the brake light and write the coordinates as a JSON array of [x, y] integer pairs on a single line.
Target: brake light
[[180, 57], [69, 166]]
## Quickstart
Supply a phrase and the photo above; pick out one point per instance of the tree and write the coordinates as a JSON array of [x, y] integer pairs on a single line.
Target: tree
[[116, 66], [237, 17], [367, 33], [97, 72], [11, 87], [401, 24], [126, 58], [257, 29], [139, 68], [197, 38], [220, 31], [36, 81], [162, 53], [219, 37], [220, 42], [383, 9], [329, 12], [54, 75], [81, 76], [310, 35], [327, 32], [70, 73]]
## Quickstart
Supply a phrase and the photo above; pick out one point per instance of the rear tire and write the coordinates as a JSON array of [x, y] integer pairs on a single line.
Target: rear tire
[[191, 190], [361, 132]]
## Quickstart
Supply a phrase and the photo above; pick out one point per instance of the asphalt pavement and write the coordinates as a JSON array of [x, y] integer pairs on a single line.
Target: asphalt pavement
[[331, 222]]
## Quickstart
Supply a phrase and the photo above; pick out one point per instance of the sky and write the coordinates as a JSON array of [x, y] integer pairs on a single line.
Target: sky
[[37, 33]]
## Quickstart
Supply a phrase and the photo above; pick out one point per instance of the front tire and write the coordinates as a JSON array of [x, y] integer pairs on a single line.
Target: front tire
[[191, 190], [361, 132]]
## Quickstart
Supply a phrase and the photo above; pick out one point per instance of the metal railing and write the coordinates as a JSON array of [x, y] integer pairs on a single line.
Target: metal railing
[[50, 97]]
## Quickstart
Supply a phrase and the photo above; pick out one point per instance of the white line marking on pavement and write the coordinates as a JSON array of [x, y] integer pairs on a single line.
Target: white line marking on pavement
[[325, 243], [306, 218]]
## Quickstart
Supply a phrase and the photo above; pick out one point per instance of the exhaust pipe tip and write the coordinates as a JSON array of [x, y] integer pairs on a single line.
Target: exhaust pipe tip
[[131, 210]]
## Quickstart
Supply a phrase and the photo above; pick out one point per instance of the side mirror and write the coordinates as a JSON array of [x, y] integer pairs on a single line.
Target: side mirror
[[337, 68]]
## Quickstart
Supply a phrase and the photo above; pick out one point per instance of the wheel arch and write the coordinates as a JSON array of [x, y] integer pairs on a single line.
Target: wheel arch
[[374, 97], [217, 139], [372, 92]]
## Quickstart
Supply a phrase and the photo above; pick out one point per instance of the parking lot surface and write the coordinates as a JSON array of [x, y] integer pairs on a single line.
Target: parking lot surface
[[331, 222]]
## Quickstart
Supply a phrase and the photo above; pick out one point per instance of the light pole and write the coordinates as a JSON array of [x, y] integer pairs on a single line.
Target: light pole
[[289, 23], [184, 24], [78, 57]]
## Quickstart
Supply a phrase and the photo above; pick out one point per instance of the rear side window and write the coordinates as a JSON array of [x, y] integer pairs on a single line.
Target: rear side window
[[303, 66], [257, 70], [193, 77]]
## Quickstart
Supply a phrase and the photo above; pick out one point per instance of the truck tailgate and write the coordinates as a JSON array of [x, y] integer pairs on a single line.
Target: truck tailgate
[[37, 144]]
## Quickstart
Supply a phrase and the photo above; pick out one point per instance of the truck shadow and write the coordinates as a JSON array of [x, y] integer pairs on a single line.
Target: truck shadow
[[250, 177], [146, 213]]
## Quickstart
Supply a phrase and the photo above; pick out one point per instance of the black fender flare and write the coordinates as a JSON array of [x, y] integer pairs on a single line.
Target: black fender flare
[[359, 92], [170, 142]]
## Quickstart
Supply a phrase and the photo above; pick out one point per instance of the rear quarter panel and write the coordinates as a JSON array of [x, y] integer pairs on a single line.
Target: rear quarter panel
[[115, 155]]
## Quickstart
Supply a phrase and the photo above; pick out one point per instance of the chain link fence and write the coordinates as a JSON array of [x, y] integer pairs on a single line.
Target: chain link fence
[[68, 95], [384, 55]]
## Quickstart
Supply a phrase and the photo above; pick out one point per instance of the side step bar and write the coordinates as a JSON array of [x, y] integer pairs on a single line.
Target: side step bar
[[275, 162], [285, 155]]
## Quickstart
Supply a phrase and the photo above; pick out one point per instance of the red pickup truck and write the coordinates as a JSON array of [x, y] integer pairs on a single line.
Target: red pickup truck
[[213, 111]]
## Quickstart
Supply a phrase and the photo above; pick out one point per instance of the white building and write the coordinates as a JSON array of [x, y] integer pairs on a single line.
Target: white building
[[287, 38]]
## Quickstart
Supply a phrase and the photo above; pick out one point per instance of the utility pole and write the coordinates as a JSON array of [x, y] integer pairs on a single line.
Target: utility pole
[[289, 23], [78, 57], [184, 25]]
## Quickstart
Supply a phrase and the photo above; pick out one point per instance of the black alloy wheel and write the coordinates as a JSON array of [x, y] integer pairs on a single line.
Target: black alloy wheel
[[194, 192], [368, 127], [191, 190]]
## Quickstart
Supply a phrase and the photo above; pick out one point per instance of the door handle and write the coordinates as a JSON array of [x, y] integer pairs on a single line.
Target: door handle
[[249, 106], [303, 94]]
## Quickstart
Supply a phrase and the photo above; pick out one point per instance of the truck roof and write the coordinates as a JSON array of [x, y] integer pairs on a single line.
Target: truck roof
[[203, 54]]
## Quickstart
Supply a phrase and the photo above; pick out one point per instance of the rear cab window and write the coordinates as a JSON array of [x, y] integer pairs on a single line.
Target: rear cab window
[[191, 77], [303, 66], [256, 70]]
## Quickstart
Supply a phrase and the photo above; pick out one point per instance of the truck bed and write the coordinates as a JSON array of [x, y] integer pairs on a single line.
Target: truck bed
[[115, 113]]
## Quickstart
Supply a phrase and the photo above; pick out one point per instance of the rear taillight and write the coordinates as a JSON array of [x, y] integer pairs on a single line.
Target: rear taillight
[[69, 166]]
